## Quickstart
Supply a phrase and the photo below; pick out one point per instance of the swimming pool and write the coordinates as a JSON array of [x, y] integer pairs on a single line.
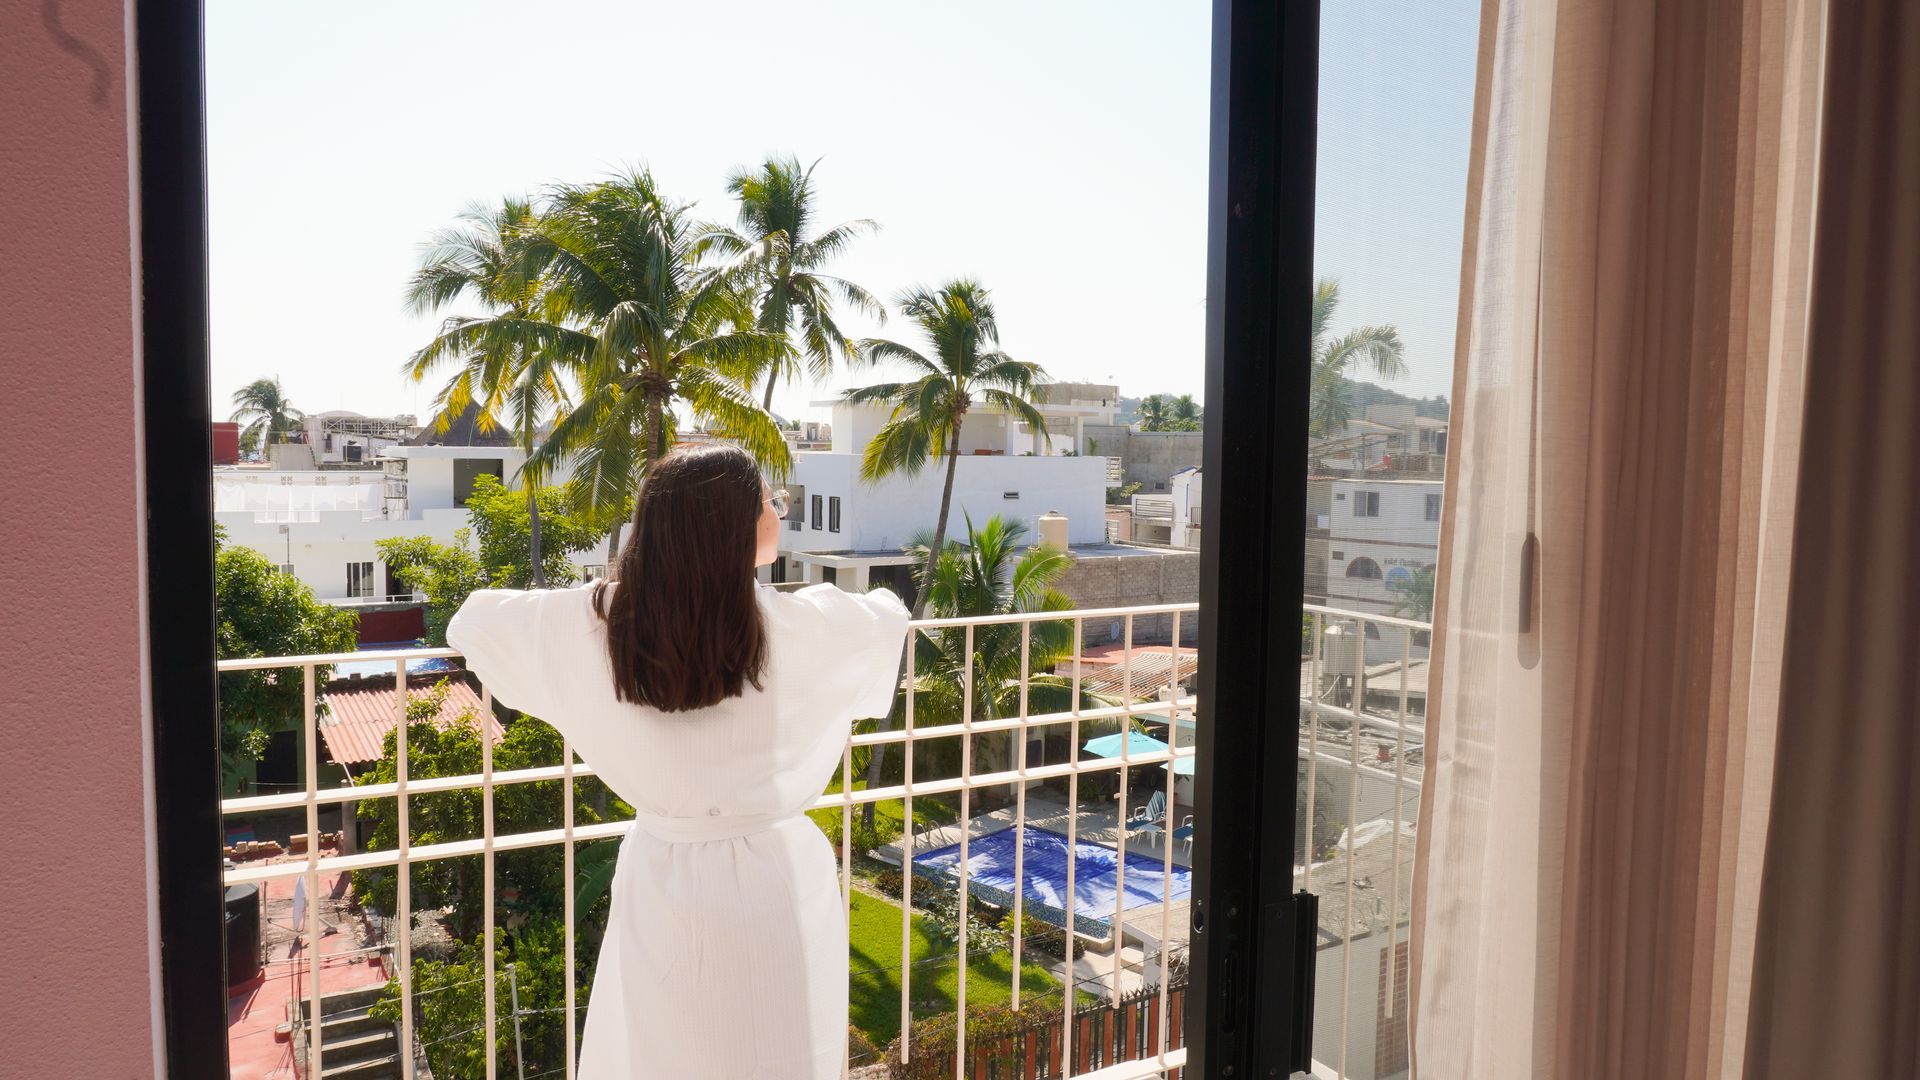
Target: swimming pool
[[990, 862]]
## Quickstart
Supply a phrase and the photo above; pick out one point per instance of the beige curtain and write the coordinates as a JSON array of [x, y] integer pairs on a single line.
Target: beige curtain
[[1625, 449], [1837, 982]]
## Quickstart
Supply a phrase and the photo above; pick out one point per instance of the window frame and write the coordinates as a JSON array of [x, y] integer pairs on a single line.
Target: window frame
[[1252, 937], [364, 570]]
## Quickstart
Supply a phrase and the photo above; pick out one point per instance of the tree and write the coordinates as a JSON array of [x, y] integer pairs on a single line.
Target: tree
[[994, 573], [1379, 347], [959, 323], [268, 413], [505, 376], [530, 966], [502, 553], [649, 332], [1160, 412], [782, 267], [531, 881], [1413, 597], [1154, 413], [260, 611]]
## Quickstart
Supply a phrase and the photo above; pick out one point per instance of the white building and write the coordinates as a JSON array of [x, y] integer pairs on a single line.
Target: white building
[[347, 437], [1389, 438], [323, 525], [843, 528], [1172, 519], [1366, 542]]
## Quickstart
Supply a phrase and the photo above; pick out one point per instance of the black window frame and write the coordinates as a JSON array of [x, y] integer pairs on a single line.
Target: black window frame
[[817, 519], [1252, 936], [833, 513]]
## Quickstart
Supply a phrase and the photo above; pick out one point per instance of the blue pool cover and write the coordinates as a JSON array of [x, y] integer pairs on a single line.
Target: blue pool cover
[[990, 876]]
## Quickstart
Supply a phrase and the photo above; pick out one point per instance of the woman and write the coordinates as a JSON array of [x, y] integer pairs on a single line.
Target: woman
[[718, 708]]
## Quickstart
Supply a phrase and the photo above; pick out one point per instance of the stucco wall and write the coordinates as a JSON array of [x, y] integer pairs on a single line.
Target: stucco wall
[[72, 778]]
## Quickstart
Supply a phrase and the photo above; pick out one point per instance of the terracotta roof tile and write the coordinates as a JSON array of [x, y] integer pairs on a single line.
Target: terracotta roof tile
[[360, 713]]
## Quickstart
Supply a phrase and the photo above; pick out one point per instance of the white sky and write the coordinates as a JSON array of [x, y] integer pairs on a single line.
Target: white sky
[[1057, 151]]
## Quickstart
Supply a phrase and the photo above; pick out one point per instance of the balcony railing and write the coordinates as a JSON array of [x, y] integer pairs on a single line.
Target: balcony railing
[[1345, 715], [368, 601]]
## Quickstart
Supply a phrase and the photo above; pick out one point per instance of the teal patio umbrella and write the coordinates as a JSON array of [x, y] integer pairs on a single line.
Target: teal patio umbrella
[[1108, 746]]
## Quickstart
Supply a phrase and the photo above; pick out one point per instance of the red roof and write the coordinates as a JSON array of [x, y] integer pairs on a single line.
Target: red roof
[[360, 713]]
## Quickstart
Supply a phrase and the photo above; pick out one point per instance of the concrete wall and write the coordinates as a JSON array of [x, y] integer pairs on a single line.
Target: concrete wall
[[72, 696], [1148, 577], [1150, 456]]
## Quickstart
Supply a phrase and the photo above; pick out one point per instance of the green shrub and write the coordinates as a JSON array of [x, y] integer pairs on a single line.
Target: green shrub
[[888, 882]]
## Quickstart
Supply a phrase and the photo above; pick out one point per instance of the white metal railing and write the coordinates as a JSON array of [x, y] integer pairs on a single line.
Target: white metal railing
[[1359, 684], [365, 601], [1331, 722]]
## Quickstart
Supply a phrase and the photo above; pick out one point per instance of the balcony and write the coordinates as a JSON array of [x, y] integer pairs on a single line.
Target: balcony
[[989, 808]]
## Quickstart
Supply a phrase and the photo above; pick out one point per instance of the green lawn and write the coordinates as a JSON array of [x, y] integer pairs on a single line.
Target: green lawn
[[874, 943], [927, 812]]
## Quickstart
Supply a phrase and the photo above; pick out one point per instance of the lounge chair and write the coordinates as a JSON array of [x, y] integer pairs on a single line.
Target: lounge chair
[[1152, 815], [1184, 834]]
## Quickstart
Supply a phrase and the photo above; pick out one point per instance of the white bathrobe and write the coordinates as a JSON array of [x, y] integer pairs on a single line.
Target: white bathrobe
[[726, 950]]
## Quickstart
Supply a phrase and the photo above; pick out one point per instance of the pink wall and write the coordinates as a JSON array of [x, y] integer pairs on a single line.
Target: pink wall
[[73, 881]]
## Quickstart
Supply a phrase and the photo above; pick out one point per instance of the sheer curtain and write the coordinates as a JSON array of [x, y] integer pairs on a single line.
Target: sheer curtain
[[1625, 453]]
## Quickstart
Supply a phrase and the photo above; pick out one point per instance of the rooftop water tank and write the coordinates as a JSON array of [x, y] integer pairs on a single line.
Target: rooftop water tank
[[1053, 529]]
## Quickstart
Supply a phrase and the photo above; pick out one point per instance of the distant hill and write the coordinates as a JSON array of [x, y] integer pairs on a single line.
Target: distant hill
[[1362, 394]]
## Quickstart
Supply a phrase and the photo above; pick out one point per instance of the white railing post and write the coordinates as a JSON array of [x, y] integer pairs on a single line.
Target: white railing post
[[311, 756], [403, 885]]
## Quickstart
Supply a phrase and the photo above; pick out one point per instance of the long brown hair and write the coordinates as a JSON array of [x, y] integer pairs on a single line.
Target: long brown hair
[[684, 628]]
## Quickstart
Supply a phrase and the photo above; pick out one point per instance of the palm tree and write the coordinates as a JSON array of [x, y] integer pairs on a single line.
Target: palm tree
[[503, 375], [959, 323], [994, 573], [647, 333], [1185, 413], [1377, 346], [1155, 414], [270, 415], [1413, 598], [783, 266]]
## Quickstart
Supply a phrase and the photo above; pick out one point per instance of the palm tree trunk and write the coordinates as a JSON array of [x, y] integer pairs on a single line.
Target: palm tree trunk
[[533, 519], [766, 403], [919, 606], [940, 523], [613, 547]]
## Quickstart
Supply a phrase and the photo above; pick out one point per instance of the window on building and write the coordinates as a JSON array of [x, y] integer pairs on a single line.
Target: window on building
[[593, 571], [1366, 504], [1433, 508], [466, 470], [1364, 569], [819, 519], [359, 579], [833, 514], [287, 569]]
